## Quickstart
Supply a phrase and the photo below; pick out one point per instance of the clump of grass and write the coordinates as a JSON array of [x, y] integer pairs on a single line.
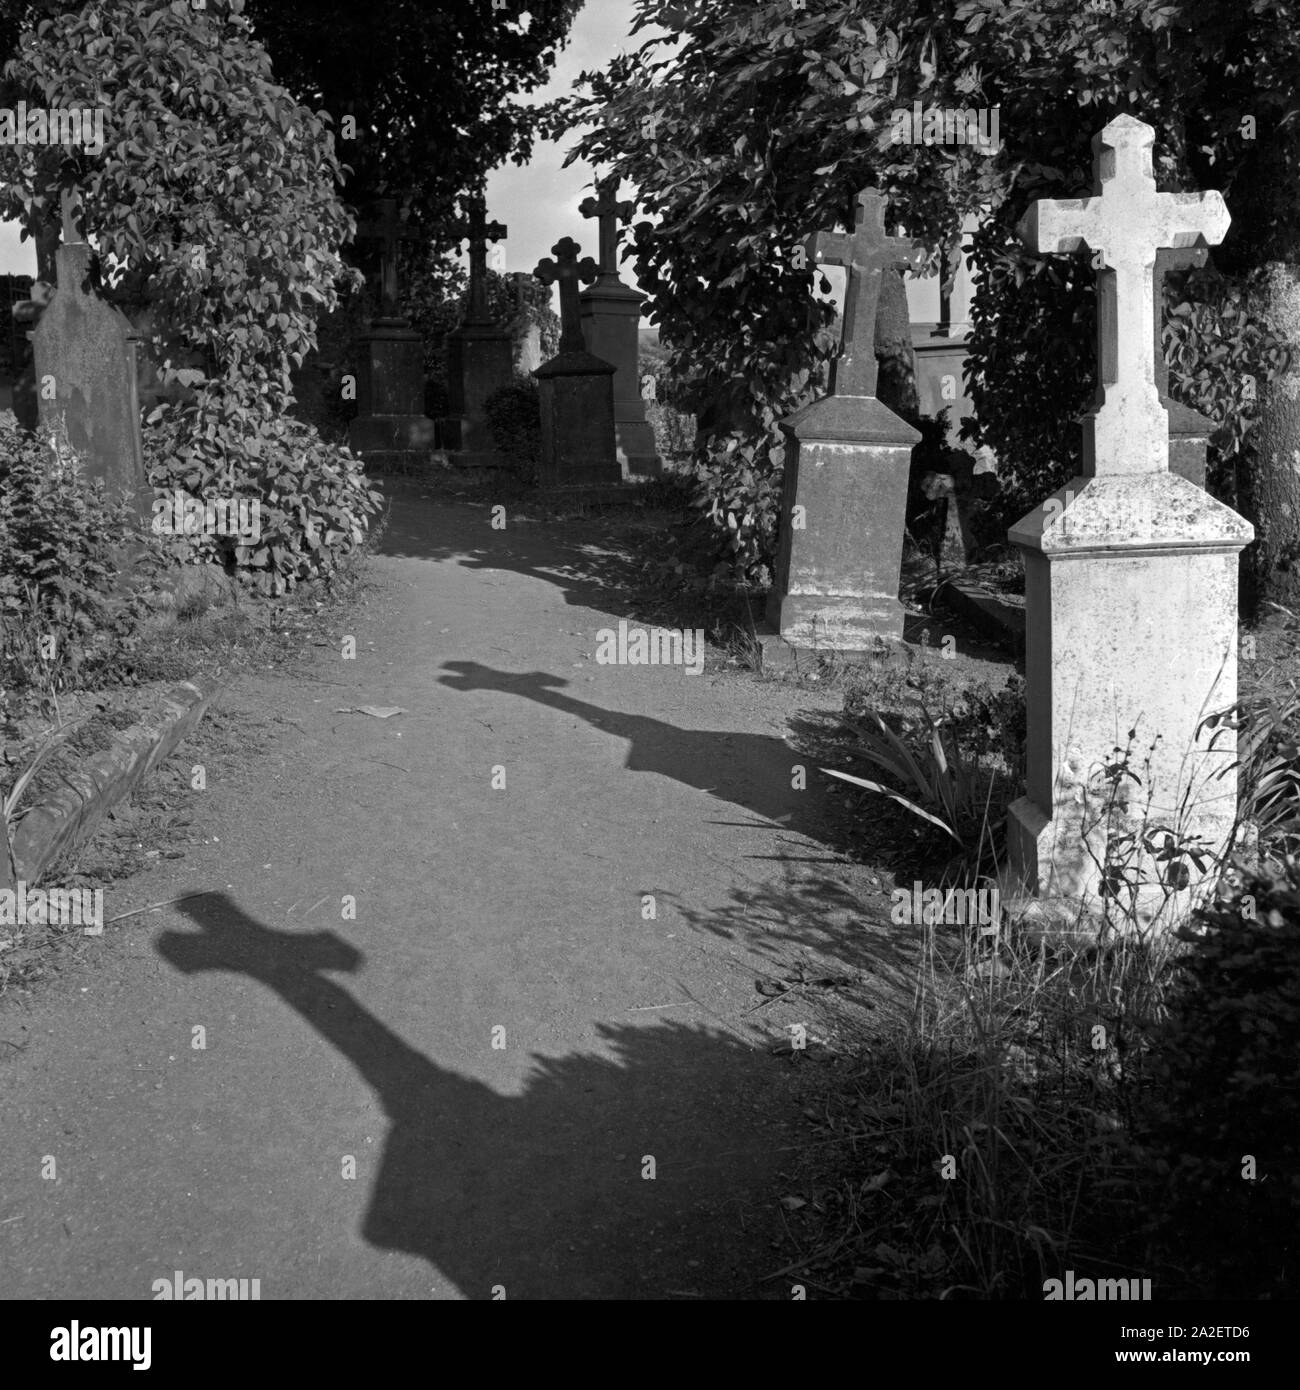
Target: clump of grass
[[1119, 1100], [990, 1139]]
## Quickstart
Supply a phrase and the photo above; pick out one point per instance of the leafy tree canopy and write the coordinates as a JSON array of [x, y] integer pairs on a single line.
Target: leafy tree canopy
[[431, 88]]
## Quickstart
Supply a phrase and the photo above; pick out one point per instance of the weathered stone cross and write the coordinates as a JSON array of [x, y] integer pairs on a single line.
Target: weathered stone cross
[[480, 231], [391, 231], [865, 252], [568, 270], [1126, 221], [610, 212]]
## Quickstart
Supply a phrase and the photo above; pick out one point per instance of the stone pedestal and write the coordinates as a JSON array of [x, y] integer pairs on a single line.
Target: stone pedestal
[[611, 313], [578, 441], [391, 425], [836, 583], [480, 360], [1131, 624]]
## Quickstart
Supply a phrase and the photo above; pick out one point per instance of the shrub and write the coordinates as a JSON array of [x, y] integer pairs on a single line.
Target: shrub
[[314, 503], [1228, 1079], [738, 487], [515, 418], [64, 542]]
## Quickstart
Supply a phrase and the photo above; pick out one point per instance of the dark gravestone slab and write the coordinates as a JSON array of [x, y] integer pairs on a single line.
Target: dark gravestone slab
[[391, 428], [579, 447], [480, 355], [86, 380]]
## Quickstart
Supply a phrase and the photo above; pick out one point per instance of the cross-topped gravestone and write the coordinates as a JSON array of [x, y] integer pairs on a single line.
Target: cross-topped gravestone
[[1130, 587], [480, 351], [390, 428], [844, 493], [575, 388], [390, 231], [611, 319], [864, 253], [568, 272], [1125, 223], [609, 212], [480, 232]]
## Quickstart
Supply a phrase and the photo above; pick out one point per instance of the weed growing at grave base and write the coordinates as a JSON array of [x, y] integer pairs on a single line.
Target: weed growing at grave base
[[987, 1142], [955, 770]]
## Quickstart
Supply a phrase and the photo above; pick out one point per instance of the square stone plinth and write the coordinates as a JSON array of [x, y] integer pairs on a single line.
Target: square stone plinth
[[843, 513], [1131, 641], [577, 403]]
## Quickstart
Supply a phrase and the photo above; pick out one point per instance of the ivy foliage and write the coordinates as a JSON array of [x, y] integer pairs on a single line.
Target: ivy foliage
[[214, 201]]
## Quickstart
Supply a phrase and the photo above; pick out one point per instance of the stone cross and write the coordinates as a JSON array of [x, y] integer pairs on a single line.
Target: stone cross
[[1126, 222], [480, 232], [864, 252], [390, 231], [568, 270], [1170, 259], [610, 212]]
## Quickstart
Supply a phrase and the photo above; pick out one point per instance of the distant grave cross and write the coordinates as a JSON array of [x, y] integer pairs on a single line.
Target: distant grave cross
[[1126, 222], [568, 271], [390, 231], [864, 252], [481, 231], [610, 212]]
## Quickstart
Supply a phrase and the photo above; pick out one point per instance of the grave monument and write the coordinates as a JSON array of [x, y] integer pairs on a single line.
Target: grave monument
[[1130, 579], [847, 458], [576, 388], [611, 316]]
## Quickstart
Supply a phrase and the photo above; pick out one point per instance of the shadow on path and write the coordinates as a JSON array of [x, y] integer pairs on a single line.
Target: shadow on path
[[587, 558], [752, 771], [542, 1193]]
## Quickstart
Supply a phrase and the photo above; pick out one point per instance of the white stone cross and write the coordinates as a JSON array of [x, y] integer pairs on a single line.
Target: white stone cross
[[1127, 222]]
